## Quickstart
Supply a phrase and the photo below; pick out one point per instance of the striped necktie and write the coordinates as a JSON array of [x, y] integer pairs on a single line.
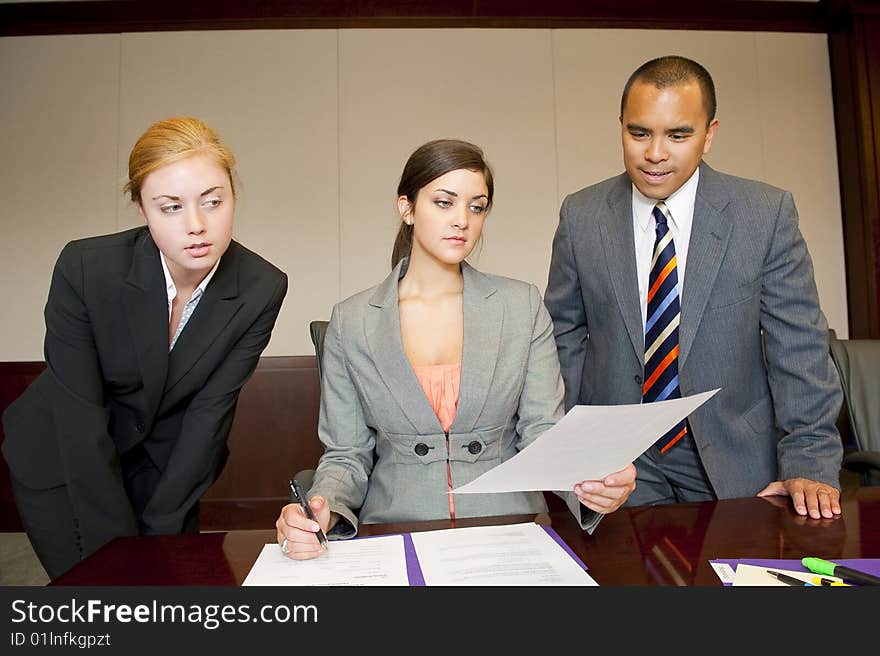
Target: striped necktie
[[661, 327]]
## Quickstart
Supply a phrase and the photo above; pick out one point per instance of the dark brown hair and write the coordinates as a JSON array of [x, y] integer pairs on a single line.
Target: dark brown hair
[[428, 162], [673, 70]]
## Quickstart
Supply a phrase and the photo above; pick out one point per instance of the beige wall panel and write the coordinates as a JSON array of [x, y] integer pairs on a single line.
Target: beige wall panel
[[401, 88], [800, 151], [589, 83], [317, 185], [774, 109], [272, 96], [58, 134]]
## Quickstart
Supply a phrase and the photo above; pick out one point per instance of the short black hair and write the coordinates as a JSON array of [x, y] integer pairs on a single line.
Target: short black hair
[[672, 70]]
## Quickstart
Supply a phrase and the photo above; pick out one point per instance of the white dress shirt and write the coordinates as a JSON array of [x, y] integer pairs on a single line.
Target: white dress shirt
[[681, 206], [191, 304]]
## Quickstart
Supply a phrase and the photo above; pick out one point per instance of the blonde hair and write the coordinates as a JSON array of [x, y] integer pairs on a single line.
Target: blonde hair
[[172, 140]]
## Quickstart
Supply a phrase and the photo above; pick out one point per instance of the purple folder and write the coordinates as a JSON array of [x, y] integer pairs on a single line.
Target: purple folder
[[867, 565]]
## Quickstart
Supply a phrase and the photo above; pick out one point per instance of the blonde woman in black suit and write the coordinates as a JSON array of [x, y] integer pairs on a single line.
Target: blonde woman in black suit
[[150, 335]]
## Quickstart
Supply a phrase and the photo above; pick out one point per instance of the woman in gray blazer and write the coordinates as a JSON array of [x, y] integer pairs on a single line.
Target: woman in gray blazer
[[436, 375]]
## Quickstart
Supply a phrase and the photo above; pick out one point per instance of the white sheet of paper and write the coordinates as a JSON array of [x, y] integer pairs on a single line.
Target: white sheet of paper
[[724, 571], [588, 443], [373, 561], [754, 575], [515, 554]]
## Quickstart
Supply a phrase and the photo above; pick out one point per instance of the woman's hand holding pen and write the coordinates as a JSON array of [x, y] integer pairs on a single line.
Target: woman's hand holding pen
[[610, 493], [300, 532]]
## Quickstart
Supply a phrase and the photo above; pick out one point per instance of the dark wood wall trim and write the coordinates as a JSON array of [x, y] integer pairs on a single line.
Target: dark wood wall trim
[[274, 435], [854, 49], [31, 18]]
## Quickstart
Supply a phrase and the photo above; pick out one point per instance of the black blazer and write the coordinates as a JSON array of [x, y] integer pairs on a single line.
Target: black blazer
[[111, 384]]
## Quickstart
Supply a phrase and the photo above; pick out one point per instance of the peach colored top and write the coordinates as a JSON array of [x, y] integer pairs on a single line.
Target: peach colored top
[[441, 383]]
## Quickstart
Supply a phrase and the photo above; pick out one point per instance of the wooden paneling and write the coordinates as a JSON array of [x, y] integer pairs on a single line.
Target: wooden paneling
[[273, 436], [29, 18], [275, 432], [854, 48]]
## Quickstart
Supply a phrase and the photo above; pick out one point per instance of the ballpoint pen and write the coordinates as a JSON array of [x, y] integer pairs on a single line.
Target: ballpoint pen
[[785, 578], [849, 575], [296, 496]]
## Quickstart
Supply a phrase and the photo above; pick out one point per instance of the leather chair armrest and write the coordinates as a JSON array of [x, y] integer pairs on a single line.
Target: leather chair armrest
[[862, 461]]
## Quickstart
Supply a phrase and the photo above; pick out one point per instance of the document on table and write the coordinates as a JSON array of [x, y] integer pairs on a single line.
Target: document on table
[[588, 443], [750, 575], [376, 561], [515, 554]]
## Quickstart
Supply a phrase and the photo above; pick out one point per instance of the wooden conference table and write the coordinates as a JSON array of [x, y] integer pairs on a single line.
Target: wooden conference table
[[648, 545]]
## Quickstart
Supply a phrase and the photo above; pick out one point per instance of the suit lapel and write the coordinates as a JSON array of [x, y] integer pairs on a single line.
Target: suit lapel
[[616, 230], [710, 234], [483, 320], [382, 333], [216, 308], [146, 304]]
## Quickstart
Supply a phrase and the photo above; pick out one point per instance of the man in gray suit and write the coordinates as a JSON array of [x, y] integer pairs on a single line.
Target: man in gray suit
[[630, 328]]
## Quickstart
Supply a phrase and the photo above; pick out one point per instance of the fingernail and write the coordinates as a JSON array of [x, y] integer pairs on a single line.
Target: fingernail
[[315, 527]]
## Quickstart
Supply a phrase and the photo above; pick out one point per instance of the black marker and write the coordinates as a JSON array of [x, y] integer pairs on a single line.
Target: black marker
[[849, 575], [296, 496]]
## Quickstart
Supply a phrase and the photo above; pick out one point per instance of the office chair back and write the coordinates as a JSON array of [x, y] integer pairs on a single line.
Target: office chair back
[[858, 363], [317, 329]]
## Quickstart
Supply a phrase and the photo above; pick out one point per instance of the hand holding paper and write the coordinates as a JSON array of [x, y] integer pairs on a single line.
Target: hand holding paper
[[610, 493], [588, 443]]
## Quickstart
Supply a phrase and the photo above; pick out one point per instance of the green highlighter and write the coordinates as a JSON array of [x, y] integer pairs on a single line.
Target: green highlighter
[[824, 567]]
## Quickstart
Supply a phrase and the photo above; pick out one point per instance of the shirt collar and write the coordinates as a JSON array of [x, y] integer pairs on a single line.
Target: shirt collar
[[171, 288], [680, 202]]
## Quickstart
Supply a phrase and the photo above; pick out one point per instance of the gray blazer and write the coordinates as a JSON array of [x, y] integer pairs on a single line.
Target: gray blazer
[[385, 451], [748, 274]]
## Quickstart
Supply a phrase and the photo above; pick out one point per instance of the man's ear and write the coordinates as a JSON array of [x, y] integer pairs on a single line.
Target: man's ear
[[710, 135]]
